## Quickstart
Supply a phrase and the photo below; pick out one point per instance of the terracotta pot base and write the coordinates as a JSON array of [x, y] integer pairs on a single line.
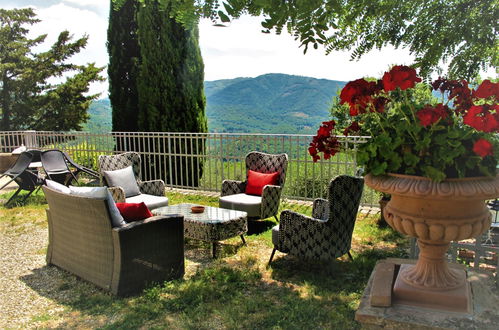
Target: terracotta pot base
[[455, 300], [432, 270]]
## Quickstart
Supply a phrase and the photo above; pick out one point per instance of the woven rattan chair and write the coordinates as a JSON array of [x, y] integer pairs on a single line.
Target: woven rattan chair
[[152, 192], [123, 260], [326, 235], [233, 194]]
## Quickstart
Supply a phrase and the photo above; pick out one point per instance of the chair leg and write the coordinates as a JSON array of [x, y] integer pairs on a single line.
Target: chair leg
[[26, 197], [13, 196], [242, 238], [350, 256], [271, 256], [276, 219]]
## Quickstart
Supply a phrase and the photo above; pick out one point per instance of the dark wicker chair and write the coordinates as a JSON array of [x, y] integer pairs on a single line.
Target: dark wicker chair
[[326, 235], [123, 260], [233, 194]]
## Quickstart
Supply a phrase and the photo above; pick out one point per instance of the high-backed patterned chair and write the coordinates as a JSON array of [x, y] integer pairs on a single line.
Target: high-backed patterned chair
[[234, 195], [152, 192], [326, 235]]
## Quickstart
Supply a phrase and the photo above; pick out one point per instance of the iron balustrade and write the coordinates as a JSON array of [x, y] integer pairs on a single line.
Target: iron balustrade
[[218, 156]]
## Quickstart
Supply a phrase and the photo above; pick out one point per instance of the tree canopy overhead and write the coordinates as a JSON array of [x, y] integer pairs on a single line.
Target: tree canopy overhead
[[458, 37], [29, 99]]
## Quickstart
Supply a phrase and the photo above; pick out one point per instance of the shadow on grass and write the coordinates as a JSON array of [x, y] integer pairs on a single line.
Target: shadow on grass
[[36, 198], [340, 276], [256, 227], [218, 296]]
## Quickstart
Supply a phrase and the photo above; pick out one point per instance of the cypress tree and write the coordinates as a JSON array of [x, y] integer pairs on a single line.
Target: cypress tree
[[124, 59], [170, 84], [168, 71]]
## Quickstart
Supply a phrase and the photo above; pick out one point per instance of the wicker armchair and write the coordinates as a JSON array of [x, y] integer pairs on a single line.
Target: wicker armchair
[[151, 192], [326, 235], [233, 194], [123, 260]]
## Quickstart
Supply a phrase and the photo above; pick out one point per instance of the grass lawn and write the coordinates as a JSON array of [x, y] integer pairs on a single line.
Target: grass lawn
[[236, 290]]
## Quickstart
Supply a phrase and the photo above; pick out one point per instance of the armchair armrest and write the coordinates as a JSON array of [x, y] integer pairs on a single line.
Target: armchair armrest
[[271, 198], [294, 229], [117, 193], [151, 250], [231, 187], [320, 209], [152, 187], [147, 222]]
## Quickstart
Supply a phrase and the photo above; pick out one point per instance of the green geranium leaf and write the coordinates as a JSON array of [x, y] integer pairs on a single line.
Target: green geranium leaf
[[410, 159], [454, 143], [433, 173], [379, 168]]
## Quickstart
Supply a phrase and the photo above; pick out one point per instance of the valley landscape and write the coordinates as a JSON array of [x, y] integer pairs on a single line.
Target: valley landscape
[[270, 103]]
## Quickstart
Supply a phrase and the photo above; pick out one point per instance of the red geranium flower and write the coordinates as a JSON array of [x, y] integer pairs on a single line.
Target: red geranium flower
[[483, 148], [458, 90], [358, 94], [354, 127], [430, 115], [481, 118], [324, 142], [487, 89], [400, 76]]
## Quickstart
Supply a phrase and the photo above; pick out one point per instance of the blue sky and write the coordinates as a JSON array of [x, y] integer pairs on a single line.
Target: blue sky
[[239, 50]]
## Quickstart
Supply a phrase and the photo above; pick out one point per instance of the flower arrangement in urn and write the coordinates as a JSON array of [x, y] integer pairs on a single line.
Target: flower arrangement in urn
[[437, 160], [413, 132]]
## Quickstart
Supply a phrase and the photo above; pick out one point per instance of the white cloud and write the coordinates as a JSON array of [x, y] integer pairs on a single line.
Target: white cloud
[[242, 50]]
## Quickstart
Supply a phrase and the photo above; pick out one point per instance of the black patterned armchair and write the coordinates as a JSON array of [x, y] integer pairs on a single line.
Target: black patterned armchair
[[326, 235], [233, 194], [152, 192]]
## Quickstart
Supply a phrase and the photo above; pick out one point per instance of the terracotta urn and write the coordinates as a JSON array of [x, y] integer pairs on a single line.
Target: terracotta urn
[[436, 213]]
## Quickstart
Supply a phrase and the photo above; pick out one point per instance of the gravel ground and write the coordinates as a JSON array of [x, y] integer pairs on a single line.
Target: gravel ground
[[22, 269], [23, 272]]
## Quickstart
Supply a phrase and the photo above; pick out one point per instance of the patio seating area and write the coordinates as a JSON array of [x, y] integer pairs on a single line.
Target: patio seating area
[[226, 283], [35, 294]]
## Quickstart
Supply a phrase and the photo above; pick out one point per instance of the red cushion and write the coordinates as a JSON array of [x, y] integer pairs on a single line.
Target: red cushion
[[257, 180], [134, 211]]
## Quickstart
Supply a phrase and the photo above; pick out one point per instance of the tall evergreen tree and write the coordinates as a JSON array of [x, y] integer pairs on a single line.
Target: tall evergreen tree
[[171, 79], [162, 77], [28, 100], [124, 61]]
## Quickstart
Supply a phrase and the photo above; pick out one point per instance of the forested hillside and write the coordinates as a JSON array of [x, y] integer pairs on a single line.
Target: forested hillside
[[271, 103], [100, 117]]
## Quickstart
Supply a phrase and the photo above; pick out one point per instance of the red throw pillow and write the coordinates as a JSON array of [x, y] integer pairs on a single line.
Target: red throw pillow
[[257, 180], [134, 211]]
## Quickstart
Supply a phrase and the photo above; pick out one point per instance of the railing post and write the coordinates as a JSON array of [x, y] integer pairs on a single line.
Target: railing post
[[30, 139]]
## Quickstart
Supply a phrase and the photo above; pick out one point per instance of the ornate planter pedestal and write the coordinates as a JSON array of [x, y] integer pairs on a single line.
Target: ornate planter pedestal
[[436, 214]]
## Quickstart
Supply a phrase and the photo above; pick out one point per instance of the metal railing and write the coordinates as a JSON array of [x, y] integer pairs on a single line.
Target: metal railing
[[201, 161]]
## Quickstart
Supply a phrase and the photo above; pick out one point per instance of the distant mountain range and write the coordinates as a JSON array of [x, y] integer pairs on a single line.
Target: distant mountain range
[[271, 103]]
